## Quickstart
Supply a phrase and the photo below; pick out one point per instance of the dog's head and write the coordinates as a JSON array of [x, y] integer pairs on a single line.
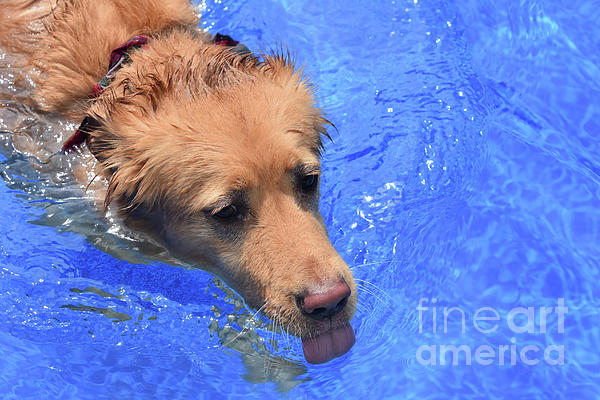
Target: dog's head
[[221, 152]]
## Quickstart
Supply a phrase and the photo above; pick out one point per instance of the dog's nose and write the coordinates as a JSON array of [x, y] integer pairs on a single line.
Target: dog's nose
[[320, 303]]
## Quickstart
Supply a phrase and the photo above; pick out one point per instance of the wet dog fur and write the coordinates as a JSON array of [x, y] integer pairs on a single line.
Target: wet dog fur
[[215, 152]]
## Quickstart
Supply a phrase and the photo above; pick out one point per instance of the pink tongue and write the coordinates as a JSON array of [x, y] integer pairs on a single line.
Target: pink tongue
[[328, 345]]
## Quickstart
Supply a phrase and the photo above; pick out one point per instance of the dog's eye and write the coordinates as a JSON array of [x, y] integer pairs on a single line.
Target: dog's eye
[[308, 183], [228, 213]]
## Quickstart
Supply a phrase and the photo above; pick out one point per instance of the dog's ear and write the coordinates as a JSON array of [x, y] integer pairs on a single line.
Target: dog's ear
[[130, 143], [125, 170], [281, 67]]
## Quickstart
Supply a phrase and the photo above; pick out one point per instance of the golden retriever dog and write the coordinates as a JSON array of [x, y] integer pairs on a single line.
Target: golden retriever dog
[[209, 148]]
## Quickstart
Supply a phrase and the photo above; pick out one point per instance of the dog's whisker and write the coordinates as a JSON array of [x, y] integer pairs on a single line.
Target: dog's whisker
[[368, 264], [374, 295], [286, 335], [280, 330], [370, 292], [267, 355], [368, 312], [245, 327], [375, 287]]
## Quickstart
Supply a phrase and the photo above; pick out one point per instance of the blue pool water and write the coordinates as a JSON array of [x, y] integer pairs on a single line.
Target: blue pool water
[[465, 174]]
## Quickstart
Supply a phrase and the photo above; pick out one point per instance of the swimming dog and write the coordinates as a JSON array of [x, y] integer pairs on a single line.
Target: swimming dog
[[214, 149]]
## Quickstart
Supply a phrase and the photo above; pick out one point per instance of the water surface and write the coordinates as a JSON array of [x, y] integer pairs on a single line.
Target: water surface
[[464, 172]]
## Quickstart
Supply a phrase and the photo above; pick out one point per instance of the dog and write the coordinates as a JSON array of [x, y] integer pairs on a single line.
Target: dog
[[210, 149]]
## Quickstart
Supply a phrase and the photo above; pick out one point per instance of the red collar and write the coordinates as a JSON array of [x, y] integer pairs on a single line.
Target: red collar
[[119, 57]]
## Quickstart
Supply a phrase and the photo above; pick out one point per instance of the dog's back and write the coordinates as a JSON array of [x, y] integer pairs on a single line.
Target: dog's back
[[67, 41]]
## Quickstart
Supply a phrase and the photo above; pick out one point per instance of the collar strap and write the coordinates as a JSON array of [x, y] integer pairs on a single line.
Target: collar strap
[[119, 57]]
